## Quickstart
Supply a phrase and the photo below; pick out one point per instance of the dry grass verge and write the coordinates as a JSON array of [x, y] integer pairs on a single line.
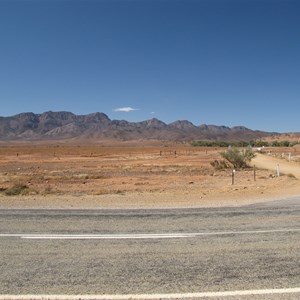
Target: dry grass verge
[[135, 176]]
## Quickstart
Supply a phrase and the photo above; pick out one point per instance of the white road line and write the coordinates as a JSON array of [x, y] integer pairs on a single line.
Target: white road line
[[99, 236], [142, 236], [109, 237], [153, 296]]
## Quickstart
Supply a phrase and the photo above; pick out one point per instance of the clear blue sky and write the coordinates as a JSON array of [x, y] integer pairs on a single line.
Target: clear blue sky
[[223, 62]]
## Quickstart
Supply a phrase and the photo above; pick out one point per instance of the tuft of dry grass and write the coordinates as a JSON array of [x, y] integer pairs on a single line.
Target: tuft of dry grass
[[290, 175], [17, 189]]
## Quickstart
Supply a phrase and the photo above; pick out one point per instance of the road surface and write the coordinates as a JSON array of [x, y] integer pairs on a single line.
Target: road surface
[[138, 253]]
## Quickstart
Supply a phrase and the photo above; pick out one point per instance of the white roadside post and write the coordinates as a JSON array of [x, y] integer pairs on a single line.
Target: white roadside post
[[233, 173], [278, 170]]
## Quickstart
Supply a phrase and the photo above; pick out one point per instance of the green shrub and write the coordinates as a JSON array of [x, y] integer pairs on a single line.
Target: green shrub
[[238, 158]]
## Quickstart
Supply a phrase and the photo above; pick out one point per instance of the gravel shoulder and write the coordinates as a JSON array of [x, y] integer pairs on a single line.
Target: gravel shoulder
[[232, 197]]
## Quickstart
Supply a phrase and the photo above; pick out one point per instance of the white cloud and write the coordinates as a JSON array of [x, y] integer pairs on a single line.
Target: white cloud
[[125, 109], [152, 113]]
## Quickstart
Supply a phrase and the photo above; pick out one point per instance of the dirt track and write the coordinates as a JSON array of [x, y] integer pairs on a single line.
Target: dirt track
[[270, 163]]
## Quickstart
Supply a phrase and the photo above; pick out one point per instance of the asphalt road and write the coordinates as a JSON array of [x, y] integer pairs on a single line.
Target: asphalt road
[[114, 252]]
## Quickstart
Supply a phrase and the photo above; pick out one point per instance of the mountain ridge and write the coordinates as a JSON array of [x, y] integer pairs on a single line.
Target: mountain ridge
[[67, 125]]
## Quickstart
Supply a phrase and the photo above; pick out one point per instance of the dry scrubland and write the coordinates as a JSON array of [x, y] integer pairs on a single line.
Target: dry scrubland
[[131, 175]]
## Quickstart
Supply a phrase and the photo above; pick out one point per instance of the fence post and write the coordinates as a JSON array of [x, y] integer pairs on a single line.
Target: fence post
[[233, 173], [254, 172]]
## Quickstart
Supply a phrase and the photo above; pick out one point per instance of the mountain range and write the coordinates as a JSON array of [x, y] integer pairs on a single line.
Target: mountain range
[[66, 125]]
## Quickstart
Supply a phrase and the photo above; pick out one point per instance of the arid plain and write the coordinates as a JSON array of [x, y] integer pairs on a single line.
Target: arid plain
[[138, 175]]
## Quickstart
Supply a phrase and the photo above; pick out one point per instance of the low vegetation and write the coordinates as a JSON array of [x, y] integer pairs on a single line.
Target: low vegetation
[[239, 159], [292, 176], [17, 189], [220, 164], [258, 143]]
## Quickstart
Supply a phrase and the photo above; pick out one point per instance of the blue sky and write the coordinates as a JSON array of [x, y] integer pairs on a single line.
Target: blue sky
[[223, 62]]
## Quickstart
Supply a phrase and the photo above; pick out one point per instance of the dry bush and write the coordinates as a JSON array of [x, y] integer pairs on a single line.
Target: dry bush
[[17, 189], [220, 164], [290, 175]]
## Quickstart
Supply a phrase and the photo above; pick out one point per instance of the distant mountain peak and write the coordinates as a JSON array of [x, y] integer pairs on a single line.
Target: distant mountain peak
[[239, 128], [97, 117], [183, 125], [155, 122]]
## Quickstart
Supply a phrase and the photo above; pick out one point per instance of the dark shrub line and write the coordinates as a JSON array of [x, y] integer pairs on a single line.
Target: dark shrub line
[[243, 144]]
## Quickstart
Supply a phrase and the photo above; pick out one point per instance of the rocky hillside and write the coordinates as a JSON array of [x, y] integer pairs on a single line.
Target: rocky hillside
[[66, 125]]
